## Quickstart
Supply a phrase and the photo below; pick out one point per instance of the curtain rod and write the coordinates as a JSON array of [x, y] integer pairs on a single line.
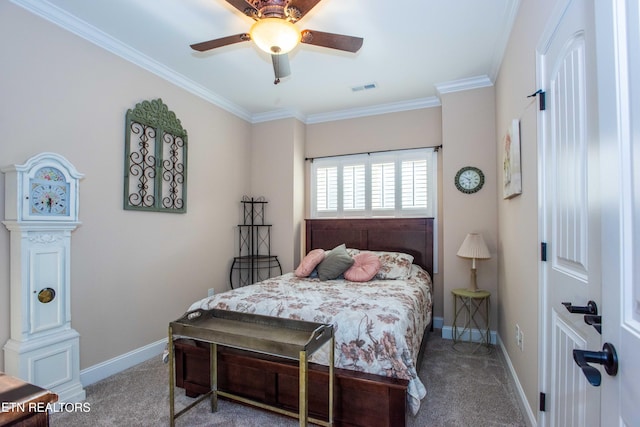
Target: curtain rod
[[435, 148]]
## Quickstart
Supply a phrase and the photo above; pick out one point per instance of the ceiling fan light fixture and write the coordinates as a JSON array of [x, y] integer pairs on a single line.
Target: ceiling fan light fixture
[[275, 36]]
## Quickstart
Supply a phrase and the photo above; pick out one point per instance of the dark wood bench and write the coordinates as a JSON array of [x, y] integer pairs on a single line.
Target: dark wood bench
[[359, 399]]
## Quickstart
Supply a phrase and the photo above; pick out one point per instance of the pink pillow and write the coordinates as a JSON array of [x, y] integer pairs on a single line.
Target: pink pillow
[[309, 262], [364, 268]]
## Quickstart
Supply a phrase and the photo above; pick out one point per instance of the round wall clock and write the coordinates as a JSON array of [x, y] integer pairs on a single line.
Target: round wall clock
[[469, 179]]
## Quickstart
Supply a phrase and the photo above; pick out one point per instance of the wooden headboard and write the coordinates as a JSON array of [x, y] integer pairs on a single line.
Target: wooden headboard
[[413, 236]]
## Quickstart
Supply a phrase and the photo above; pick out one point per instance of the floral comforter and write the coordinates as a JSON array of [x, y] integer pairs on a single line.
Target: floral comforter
[[378, 324]]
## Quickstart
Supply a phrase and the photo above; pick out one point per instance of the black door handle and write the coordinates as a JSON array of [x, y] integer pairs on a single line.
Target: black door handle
[[590, 308], [607, 357], [595, 321]]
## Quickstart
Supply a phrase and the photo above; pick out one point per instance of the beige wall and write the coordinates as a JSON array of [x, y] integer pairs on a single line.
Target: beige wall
[[277, 159], [518, 241], [131, 272], [299, 192], [409, 129], [468, 129]]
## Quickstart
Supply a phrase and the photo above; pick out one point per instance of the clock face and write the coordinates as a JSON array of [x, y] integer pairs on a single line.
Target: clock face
[[46, 190], [49, 199], [49, 193], [469, 179]]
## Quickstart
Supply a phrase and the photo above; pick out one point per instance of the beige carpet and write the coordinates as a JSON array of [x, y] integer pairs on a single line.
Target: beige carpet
[[462, 390]]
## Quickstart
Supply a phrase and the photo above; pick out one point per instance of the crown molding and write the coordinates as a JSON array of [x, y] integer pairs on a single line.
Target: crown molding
[[351, 113], [510, 13], [92, 34], [373, 110], [277, 115], [463, 84]]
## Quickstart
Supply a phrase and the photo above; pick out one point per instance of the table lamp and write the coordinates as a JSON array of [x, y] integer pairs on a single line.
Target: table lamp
[[474, 247]]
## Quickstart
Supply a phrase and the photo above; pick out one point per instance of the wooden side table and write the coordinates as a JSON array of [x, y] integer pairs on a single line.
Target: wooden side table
[[475, 305]]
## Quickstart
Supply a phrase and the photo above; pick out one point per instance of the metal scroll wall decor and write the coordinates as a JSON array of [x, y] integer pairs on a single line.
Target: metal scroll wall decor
[[155, 159]]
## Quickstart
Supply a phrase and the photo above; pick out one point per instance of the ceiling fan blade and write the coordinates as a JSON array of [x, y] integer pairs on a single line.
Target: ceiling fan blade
[[280, 67], [333, 41], [304, 6], [224, 41], [241, 5]]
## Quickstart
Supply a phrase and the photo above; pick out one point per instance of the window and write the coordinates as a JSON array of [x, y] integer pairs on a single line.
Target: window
[[396, 183]]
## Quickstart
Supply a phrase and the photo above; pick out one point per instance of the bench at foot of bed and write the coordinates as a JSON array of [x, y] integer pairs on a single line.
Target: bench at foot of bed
[[360, 399]]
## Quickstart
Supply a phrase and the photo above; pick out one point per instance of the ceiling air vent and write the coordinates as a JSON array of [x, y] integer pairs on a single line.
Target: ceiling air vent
[[367, 86]]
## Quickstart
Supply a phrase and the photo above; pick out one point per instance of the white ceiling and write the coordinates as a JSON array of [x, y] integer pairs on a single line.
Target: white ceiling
[[413, 50]]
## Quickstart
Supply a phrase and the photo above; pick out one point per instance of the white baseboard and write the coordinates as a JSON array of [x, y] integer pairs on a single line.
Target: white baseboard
[[110, 367], [530, 417], [118, 364], [438, 322], [447, 334]]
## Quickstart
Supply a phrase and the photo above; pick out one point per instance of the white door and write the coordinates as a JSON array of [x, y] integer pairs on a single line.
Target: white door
[[618, 27], [570, 221]]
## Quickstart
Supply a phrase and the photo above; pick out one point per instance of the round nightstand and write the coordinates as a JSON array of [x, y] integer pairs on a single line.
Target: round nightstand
[[475, 305]]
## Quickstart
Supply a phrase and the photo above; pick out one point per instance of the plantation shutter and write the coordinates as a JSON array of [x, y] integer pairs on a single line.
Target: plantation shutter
[[393, 183], [327, 189]]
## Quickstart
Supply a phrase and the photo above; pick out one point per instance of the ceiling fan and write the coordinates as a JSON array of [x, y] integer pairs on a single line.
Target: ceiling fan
[[275, 33]]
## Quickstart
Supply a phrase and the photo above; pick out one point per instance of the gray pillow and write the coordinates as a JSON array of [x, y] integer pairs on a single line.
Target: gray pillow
[[336, 262]]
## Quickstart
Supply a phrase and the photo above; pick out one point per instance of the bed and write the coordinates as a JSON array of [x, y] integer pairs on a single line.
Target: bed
[[376, 374]]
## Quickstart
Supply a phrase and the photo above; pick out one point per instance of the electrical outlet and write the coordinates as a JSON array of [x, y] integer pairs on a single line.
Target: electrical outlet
[[519, 337], [211, 292]]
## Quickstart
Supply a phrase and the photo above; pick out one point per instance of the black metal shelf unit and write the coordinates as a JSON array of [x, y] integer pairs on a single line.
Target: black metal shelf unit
[[254, 261]]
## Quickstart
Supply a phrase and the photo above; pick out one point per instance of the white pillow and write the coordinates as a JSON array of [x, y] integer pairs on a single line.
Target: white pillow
[[395, 265]]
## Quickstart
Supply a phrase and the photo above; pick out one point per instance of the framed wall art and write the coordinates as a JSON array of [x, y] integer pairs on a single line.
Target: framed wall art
[[155, 161], [512, 174]]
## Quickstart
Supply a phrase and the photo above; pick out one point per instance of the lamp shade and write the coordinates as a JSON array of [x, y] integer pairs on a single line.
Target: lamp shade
[[474, 247], [275, 36]]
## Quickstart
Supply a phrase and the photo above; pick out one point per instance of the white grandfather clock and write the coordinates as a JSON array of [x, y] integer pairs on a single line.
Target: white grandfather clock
[[41, 211]]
